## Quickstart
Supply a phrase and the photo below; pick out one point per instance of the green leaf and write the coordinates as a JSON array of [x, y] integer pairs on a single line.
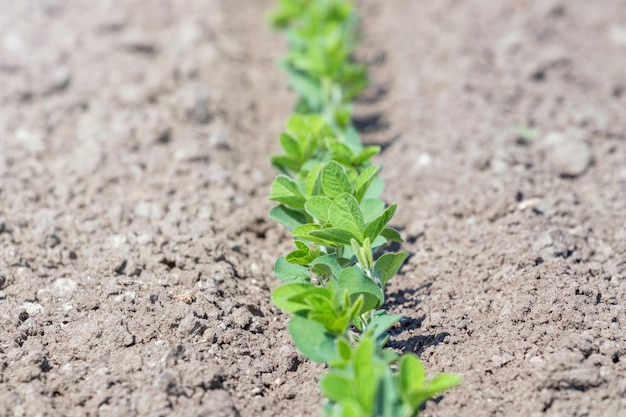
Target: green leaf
[[358, 284], [317, 206], [327, 265], [367, 372], [374, 228], [336, 387], [284, 162], [363, 181], [300, 257], [286, 191], [375, 189], [290, 145], [366, 154], [292, 297], [415, 389], [305, 232], [312, 339], [289, 272], [337, 236], [388, 265], [345, 213], [313, 185], [288, 217], [392, 235], [381, 323], [352, 138], [371, 208], [334, 180], [307, 87]]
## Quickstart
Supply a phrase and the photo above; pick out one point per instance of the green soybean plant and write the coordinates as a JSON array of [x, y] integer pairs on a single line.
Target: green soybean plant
[[328, 194]]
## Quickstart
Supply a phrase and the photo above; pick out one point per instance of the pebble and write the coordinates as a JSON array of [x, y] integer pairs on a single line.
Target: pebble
[[148, 210], [32, 141], [32, 308], [59, 81], [63, 287], [569, 155]]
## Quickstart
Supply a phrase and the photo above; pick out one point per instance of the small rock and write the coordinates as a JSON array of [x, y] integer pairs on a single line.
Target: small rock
[[63, 287], [219, 139], [424, 159], [199, 112], [139, 43], [30, 140], [3, 281], [59, 81], [192, 326], [611, 349], [148, 210], [569, 155], [32, 308]]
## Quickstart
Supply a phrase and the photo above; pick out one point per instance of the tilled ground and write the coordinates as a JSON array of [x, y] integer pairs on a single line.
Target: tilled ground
[[135, 249]]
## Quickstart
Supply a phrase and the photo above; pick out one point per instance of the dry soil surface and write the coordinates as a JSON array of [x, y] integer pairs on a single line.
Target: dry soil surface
[[135, 250]]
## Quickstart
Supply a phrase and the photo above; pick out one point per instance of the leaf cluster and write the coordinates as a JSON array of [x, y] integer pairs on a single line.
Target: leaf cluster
[[328, 194], [321, 35]]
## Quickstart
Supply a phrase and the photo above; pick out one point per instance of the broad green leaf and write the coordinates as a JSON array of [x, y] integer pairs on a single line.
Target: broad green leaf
[[300, 257], [381, 323], [412, 374], [367, 373], [415, 390], [334, 180], [337, 388], [313, 184], [339, 152], [297, 125], [373, 229], [289, 272], [363, 181], [290, 145], [305, 233], [292, 297], [307, 87], [388, 265], [317, 206], [358, 284], [285, 162], [344, 349], [442, 382], [332, 234], [327, 265], [286, 191], [371, 208], [352, 138], [288, 217], [345, 213], [366, 154], [312, 339], [391, 235], [375, 189]]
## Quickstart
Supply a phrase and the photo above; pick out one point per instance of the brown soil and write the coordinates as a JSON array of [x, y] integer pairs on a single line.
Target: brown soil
[[135, 250]]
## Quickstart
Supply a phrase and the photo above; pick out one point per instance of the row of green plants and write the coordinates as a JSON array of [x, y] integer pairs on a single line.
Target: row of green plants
[[328, 194]]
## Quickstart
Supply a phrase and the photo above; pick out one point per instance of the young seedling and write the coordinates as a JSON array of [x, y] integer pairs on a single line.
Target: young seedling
[[328, 195]]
